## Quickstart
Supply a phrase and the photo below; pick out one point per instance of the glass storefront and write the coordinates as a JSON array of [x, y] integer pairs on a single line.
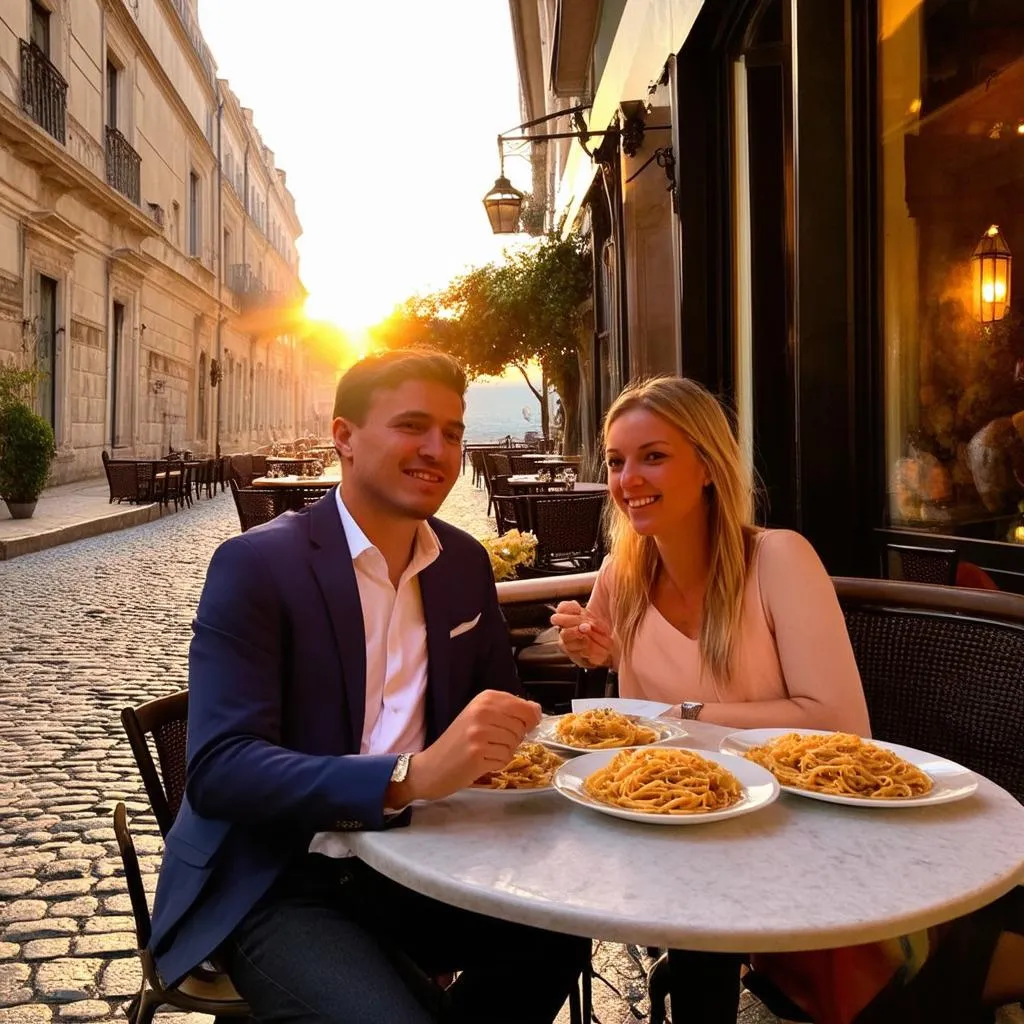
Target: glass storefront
[[951, 117]]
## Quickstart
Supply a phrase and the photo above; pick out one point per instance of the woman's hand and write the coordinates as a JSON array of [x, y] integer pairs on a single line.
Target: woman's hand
[[586, 638]]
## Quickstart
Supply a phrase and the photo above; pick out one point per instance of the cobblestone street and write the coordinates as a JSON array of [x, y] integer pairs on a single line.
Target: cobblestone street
[[88, 628]]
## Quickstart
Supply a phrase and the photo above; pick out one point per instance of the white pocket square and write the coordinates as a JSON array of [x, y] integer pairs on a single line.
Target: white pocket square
[[464, 627]]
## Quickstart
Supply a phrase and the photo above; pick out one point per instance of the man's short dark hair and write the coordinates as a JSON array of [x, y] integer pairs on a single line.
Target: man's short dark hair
[[388, 370]]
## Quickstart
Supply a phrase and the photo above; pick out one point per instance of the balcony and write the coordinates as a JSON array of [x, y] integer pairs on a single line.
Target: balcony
[[253, 293], [44, 93], [123, 166]]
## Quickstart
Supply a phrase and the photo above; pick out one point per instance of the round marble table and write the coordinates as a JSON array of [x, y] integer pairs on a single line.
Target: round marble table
[[798, 875]]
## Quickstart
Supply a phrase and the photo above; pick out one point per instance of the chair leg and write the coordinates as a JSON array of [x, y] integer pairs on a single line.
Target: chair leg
[[586, 986], [575, 1013], [148, 1005], [657, 988]]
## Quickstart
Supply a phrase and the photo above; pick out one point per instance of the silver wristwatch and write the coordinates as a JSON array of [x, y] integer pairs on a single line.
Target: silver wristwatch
[[691, 708], [401, 769]]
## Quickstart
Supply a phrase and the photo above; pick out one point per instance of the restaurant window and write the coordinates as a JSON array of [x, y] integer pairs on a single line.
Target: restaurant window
[[951, 115]]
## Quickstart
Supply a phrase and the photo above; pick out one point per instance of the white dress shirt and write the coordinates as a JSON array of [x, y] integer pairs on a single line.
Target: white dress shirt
[[394, 721]]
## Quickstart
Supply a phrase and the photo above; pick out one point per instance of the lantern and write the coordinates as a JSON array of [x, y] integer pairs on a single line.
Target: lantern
[[503, 205], [992, 263]]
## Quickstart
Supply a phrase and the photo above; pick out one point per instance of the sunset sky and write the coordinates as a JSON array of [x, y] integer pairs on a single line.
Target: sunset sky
[[385, 117]]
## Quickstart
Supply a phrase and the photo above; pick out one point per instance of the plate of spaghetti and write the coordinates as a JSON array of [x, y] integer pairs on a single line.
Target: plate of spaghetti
[[842, 768], [529, 771], [603, 729], [666, 785]]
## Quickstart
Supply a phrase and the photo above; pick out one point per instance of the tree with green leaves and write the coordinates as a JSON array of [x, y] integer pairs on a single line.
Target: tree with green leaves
[[527, 308]]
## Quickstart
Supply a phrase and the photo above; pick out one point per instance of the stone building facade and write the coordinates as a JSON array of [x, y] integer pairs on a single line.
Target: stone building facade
[[147, 239]]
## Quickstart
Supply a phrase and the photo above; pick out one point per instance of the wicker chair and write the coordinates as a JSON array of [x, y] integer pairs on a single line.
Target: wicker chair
[[523, 462], [171, 481], [295, 499], [202, 991], [290, 467], [506, 504], [256, 505], [568, 529], [122, 479], [476, 460], [920, 565], [943, 671], [166, 720]]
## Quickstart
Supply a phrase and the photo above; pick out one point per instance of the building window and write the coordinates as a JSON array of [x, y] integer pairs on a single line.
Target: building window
[[113, 75], [121, 395], [41, 28], [46, 350], [194, 226], [226, 255], [951, 117], [201, 410]]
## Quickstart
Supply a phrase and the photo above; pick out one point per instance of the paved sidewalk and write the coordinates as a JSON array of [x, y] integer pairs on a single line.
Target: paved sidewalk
[[66, 513]]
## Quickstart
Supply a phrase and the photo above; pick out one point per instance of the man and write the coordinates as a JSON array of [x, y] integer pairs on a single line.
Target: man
[[346, 661]]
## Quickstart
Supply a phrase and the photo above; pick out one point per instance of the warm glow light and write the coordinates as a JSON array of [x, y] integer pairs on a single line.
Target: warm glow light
[[992, 268], [915, 107], [391, 207], [1020, 128], [993, 291]]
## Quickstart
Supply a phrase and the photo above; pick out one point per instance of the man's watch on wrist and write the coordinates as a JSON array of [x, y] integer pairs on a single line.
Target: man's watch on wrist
[[691, 708], [401, 769]]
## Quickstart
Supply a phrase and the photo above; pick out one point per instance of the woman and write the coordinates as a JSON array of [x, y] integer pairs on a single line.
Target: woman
[[740, 626]]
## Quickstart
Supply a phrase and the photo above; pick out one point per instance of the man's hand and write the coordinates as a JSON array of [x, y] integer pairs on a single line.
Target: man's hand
[[582, 635], [482, 739]]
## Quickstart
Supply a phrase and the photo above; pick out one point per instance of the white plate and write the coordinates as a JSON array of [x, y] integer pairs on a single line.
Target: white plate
[[950, 781], [759, 788], [545, 733], [624, 705], [488, 791]]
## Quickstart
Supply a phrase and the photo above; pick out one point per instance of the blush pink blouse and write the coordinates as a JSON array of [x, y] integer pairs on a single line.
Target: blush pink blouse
[[792, 641]]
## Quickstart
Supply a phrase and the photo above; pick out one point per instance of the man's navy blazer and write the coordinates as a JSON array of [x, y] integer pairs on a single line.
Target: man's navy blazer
[[277, 684]]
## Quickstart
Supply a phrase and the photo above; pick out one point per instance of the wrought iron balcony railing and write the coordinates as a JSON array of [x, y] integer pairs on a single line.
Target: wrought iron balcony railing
[[253, 293], [44, 93], [123, 166]]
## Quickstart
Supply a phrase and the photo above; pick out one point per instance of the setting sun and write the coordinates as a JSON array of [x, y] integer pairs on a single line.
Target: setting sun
[[392, 207]]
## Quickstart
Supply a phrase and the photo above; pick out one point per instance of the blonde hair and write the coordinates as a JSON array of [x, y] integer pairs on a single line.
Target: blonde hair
[[692, 409]]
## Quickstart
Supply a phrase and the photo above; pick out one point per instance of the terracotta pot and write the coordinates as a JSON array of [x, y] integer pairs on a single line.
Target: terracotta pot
[[20, 509]]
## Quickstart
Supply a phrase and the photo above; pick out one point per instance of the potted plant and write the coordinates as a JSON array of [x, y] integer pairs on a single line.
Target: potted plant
[[26, 451]]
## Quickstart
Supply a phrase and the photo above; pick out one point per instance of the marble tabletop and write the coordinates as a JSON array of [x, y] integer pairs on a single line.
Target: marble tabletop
[[799, 875]]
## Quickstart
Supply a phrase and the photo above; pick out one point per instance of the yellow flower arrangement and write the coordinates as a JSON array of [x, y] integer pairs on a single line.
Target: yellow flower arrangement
[[510, 550]]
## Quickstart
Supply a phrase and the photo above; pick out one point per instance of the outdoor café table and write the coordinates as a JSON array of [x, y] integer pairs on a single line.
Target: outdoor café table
[[798, 875], [554, 460], [326, 481], [527, 481], [291, 458]]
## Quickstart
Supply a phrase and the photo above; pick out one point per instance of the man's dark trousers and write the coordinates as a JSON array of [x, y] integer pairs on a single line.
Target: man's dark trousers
[[334, 941]]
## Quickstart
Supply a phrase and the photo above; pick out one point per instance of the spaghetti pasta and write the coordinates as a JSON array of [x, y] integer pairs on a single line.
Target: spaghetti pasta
[[531, 767], [842, 764], [664, 780], [602, 729]]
